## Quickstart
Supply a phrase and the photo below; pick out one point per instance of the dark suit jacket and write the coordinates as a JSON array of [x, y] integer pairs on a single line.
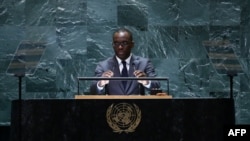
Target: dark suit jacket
[[115, 87]]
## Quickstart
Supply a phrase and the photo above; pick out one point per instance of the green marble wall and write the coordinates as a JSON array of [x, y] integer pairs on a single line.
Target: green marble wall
[[194, 43]]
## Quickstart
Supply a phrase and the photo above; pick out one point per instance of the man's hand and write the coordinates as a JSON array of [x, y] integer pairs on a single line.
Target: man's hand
[[139, 73], [108, 74]]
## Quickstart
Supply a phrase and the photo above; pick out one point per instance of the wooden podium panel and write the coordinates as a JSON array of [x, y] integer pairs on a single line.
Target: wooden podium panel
[[106, 118]]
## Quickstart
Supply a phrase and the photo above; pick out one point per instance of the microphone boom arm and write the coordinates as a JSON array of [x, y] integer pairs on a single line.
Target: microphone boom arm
[[122, 78]]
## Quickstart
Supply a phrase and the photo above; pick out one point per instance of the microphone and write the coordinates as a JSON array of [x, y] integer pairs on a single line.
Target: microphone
[[140, 86], [133, 65], [106, 89]]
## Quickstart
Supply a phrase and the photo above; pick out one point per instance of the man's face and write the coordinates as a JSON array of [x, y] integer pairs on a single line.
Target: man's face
[[122, 45]]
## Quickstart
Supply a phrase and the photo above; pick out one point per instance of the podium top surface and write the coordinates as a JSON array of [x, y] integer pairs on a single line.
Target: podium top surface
[[122, 97]]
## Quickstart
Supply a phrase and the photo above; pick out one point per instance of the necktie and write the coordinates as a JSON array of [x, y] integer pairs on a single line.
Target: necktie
[[124, 73]]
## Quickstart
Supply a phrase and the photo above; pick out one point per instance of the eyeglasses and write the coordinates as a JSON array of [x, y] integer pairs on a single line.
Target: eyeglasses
[[123, 44]]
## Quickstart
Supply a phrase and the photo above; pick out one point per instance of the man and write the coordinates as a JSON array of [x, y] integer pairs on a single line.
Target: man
[[124, 64]]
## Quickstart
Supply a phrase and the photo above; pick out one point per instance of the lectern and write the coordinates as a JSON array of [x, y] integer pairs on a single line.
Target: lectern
[[123, 118]]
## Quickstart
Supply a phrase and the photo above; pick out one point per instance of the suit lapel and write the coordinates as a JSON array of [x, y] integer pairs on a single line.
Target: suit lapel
[[117, 73], [133, 65]]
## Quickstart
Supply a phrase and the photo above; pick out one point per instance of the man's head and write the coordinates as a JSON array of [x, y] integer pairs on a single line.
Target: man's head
[[122, 43]]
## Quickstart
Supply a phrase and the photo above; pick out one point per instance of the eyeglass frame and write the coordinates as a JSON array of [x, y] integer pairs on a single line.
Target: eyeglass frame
[[123, 44]]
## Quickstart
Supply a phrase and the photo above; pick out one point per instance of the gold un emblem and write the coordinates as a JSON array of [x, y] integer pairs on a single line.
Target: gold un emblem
[[123, 117]]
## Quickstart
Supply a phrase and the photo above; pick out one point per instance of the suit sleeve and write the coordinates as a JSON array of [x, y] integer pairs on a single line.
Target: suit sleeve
[[98, 73], [150, 71]]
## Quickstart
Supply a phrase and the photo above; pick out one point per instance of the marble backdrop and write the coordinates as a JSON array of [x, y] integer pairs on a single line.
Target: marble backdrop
[[194, 43]]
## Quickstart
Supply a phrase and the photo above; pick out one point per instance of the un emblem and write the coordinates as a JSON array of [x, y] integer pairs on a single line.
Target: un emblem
[[123, 117]]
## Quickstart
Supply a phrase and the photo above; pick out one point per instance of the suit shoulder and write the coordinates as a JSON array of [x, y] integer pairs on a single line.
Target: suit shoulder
[[106, 61], [140, 58]]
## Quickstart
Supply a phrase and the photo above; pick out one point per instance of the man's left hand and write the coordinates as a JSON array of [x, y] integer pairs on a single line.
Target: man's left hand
[[139, 73]]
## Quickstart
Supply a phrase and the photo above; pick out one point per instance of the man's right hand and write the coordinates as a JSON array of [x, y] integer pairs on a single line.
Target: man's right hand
[[108, 74]]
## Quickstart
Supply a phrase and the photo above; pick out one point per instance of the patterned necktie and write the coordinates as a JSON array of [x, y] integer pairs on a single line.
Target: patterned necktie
[[124, 73]]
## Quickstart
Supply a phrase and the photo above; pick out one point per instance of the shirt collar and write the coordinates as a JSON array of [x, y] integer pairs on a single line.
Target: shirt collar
[[127, 60]]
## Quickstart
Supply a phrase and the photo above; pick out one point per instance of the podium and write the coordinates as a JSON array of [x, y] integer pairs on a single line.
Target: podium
[[122, 118]]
